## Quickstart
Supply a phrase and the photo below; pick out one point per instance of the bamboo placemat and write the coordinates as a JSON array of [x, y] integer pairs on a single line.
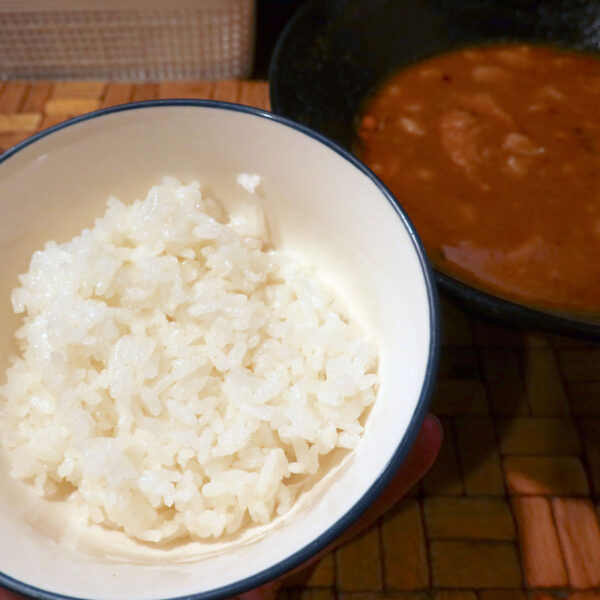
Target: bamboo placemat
[[509, 510]]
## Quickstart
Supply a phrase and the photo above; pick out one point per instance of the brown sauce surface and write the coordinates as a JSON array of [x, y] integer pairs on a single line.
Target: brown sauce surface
[[494, 152]]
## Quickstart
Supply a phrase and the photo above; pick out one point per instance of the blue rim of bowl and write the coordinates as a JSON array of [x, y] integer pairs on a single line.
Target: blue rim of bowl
[[379, 484], [581, 325]]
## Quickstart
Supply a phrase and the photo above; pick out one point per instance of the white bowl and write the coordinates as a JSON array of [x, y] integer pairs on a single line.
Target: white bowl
[[323, 205]]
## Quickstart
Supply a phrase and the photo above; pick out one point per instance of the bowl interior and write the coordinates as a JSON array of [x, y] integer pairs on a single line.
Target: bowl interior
[[321, 206], [333, 54]]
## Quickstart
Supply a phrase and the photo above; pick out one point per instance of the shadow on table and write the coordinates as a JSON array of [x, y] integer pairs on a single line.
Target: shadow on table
[[510, 402]]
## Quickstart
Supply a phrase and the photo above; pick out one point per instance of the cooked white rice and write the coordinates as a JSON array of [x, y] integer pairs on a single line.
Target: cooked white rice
[[180, 375]]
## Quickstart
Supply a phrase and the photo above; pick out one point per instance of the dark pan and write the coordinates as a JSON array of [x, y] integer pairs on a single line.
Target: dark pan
[[334, 53]]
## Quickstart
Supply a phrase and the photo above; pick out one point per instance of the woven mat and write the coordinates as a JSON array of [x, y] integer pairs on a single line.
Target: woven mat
[[509, 509]]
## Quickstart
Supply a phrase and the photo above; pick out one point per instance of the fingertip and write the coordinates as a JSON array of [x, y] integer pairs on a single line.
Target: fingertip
[[433, 429], [427, 444], [7, 595]]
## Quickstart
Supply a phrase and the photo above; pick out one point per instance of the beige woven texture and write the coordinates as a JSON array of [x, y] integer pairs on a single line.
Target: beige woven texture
[[201, 40]]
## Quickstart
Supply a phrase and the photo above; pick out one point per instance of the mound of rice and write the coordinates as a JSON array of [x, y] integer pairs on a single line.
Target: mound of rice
[[179, 374]]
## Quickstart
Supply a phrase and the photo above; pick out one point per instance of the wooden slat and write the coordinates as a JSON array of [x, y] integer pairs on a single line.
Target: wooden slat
[[404, 548], [479, 457], [227, 91], [255, 95], [363, 550], [66, 108], [19, 122], [187, 89], [579, 534], [469, 518], [79, 89], [542, 557], [144, 91], [470, 564], [117, 93], [38, 93], [546, 475], [12, 96]]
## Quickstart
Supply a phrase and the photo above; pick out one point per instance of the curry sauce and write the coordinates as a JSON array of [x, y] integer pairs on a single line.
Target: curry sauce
[[494, 152]]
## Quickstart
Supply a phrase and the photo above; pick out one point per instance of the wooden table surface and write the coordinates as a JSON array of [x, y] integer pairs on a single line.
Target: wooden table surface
[[510, 509]]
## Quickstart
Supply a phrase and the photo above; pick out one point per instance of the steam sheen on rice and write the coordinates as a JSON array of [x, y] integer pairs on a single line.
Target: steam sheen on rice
[[181, 376]]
